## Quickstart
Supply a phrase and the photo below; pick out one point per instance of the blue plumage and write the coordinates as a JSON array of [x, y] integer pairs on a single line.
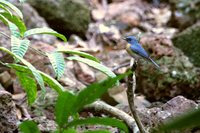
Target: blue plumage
[[134, 46]]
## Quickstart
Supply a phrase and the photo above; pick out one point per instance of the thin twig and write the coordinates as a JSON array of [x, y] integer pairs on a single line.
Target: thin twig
[[130, 95], [100, 106], [120, 66], [4, 34]]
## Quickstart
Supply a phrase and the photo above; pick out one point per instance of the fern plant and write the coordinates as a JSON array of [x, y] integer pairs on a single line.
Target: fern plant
[[29, 76]]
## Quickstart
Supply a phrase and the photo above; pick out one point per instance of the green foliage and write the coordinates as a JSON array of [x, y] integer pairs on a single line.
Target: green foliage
[[51, 82], [19, 47], [99, 121], [17, 22], [36, 75], [68, 104], [28, 127], [11, 6], [185, 121], [64, 107], [44, 31], [95, 91], [97, 131], [29, 85], [58, 63], [83, 54], [93, 64]]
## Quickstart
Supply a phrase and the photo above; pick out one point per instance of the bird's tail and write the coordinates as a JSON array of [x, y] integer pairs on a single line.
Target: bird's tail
[[155, 64]]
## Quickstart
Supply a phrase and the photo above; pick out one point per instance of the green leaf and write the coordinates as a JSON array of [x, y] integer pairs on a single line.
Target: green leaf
[[28, 127], [97, 131], [58, 63], [11, 6], [100, 121], [4, 19], [37, 76], [5, 9], [44, 31], [94, 64], [14, 31], [29, 86], [19, 47], [64, 106], [95, 91], [16, 21], [51, 82], [188, 120], [76, 52], [70, 130]]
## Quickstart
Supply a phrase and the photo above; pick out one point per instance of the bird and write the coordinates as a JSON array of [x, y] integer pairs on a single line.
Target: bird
[[134, 47]]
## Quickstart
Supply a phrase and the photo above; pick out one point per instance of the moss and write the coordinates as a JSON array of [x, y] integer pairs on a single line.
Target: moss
[[189, 42], [65, 16], [176, 77]]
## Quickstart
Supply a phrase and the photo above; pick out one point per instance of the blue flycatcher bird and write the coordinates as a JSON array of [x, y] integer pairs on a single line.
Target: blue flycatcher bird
[[134, 47]]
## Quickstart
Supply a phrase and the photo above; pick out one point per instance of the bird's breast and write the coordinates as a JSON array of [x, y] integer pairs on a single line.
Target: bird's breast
[[131, 52]]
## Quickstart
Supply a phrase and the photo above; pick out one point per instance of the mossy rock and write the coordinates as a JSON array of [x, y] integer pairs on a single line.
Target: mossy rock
[[65, 16], [189, 42], [177, 76]]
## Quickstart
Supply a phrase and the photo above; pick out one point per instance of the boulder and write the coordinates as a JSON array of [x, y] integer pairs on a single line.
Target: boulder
[[155, 116], [65, 16], [189, 42]]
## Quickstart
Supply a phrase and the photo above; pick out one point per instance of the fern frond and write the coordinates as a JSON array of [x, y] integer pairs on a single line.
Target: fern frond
[[19, 47], [58, 63]]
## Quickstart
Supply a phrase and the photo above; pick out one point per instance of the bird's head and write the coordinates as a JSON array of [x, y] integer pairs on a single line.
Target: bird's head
[[130, 39]]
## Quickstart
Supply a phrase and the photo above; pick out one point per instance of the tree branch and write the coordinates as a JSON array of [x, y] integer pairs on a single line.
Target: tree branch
[[130, 94]]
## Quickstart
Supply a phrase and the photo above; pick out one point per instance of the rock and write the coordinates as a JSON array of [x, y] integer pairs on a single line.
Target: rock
[[158, 115], [45, 125], [8, 117], [64, 16], [130, 18], [84, 73], [177, 75], [5, 79], [189, 42]]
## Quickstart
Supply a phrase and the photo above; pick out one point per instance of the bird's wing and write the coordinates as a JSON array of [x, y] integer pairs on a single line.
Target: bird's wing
[[138, 49]]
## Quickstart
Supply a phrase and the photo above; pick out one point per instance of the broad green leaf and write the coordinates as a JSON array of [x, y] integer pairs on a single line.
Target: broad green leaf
[[95, 91], [100, 121], [19, 47], [94, 64], [51, 82], [37, 76], [97, 131], [70, 130], [83, 54], [28, 127], [188, 120], [4, 19], [4, 9], [58, 63], [44, 31], [21, 28], [64, 106], [29, 86], [11, 6]]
